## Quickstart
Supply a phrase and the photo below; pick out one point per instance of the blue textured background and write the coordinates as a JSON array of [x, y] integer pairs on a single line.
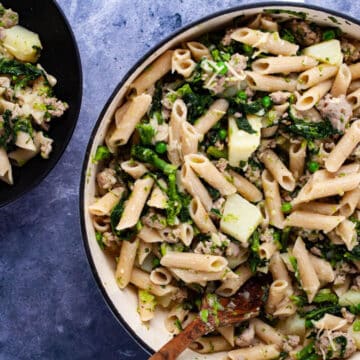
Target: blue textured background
[[50, 307]]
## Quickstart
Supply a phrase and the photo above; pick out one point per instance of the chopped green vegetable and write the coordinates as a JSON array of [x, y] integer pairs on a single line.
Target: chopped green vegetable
[[286, 207], [241, 97], [342, 341], [221, 67], [243, 124], [328, 35], [146, 132], [204, 315], [155, 262], [287, 35], [6, 133], [325, 296], [312, 130], [21, 73], [149, 156], [313, 166], [318, 313], [102, 153], [99, 239], [161, 147], [216, 153], [22, 124], [156, 107], [294, 265], [307, 353], [254, 258], [356, 325]]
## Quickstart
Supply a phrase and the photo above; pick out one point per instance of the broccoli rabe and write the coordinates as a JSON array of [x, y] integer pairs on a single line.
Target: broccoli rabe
[[6, 129], [310, 130], [149, 156], [146, 133], [21, 73], [156, 107], [102, 153]]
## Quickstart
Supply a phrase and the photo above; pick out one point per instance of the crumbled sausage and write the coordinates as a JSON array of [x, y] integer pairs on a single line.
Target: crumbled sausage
[[304, 33], [106, 179], [340, 343], [336, 109], [350, 49], [279, 97]]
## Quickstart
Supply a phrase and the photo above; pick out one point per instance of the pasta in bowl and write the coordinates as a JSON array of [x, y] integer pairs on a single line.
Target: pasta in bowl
[[232, 151]]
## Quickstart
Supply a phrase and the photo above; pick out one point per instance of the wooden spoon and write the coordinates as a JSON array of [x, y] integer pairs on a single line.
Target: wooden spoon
[[240, 307]]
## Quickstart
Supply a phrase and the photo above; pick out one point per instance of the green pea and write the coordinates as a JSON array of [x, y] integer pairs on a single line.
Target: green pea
[[313, 166], [266, 101], [222, 134], [160, 147], [286, 207]]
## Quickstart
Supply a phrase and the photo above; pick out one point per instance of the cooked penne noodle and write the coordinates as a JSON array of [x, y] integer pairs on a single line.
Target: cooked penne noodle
[[269, 83], [134, 168], [355, 71], [313, 221], [257, 352], [323, 269], [198, 277], [347, 233], [198, 50], [141, 279], [283, 64], [126, 125], [277, 292], [278, 269], [206, 170], [105, 204], [308, 277], [155, 71], [215, 112], [227, 332], [316, 75], [5, 168], [194, 186], [231, 285], [245, 188], [158, 198], [192, 261], [343, 148], [210, 344], [349, 202], [182, 63], [342, 81], [297, 155], [312, 96], [272, 199], [149, 235], [354, 99], [278, 170], [267, 333], [319, 207], [135, 204], [144, 250], [200, 217], [160, 276], [126, 262], [330, 322], [189, 139], [267, 42]]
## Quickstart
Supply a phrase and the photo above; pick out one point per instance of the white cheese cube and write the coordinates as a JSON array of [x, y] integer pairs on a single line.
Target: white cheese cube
[[240, 218], [242, 144], [327, 51], [22, 43]]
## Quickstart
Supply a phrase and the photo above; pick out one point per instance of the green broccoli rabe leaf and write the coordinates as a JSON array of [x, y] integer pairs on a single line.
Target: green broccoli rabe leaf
[[6, 129], [21, 73], [197, 103], [216, 153], [254, 258], [149, 156], [115, 216], [156, 105], [312, 130], [146, 133], [243, 124], [287, 35], [325, 296], [102, 153], [318, 313], [22, 125], [307, 353]]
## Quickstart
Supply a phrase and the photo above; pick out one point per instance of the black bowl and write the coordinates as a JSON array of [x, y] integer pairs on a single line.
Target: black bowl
[[60, 57]]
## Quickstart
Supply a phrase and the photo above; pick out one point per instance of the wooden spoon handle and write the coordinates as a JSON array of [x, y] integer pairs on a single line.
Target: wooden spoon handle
[[180, 342]]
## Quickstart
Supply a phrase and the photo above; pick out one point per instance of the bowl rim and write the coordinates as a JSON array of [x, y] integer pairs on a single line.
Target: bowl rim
[[70, 133], [121, 83]]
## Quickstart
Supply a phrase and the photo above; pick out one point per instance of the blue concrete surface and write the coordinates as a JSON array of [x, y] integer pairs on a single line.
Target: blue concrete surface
[[50, 307]]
